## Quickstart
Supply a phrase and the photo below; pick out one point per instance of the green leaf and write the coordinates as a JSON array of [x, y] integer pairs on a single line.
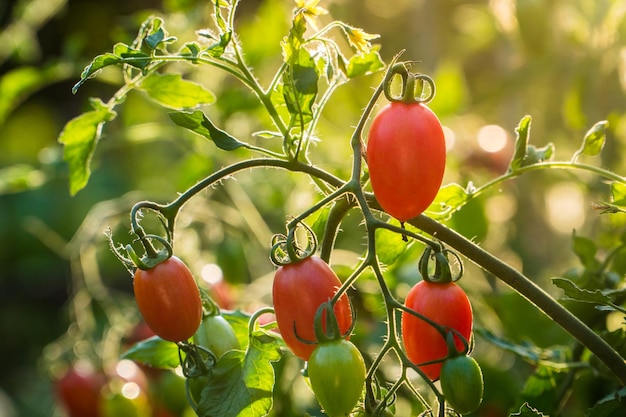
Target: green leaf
[[526, 154], [241, 384], [594, 140], [94, 66], [528, 411], [154, 352], [366, 63], [300, 85], [574, 292], [79, 137], [389, 245], [554, 358], [172, 91], [450, 198], [611, 405], [618, 194], [585, 249], [198, 122], [131, 56]]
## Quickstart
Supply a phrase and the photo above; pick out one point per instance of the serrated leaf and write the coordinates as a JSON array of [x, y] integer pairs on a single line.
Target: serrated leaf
[[154, 352], [594, 140], [366, 63], [527, 411], [94, 66], [79, 137], [172, 91], [241, 384], [555, 357], [574, 292], [198, 122]]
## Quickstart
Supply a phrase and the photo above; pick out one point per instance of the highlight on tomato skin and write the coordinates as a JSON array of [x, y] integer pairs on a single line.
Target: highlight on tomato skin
[[406, 157], [298, 290], [445, 304], [169, 300]]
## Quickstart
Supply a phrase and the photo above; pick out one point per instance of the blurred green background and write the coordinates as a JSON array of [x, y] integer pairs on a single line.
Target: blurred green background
[[562, 62]]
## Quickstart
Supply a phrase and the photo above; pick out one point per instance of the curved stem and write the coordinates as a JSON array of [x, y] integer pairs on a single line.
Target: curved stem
[[531, 291], [336, 215]]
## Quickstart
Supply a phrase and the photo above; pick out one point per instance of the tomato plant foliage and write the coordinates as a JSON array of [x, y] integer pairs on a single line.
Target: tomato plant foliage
[[241, 363]]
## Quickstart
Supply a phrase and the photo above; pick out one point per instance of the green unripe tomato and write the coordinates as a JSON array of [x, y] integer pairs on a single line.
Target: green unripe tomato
[[216, 334], [462, 383], [337, 373]]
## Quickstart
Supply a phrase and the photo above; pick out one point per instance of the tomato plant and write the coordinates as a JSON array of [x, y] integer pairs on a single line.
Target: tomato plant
[[79, 391], [445, 304], [337, 372], [299, 289], [406, 156], [462, 383], [217, 335], [169, 300]]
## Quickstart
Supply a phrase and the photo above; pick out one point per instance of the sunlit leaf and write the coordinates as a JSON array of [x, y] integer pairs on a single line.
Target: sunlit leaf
[[366, 63], [389, 245], [527, 411], [174, 92], [594, 139], [573, 292], [154, 352], [523, 133], [300, 85], [79, 137], [618, 193], [198, 122], [241, 384], [130, 56], [94, 66], [449, 198]]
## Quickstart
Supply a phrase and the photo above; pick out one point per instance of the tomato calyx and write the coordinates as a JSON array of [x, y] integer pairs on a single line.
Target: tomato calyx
[[326, 326], [415, 87], [287, 249], [198, 360], [442, 272]]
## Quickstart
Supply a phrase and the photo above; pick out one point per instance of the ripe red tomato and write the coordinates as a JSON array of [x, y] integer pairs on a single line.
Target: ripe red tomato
[[78, 390], [169, 300], [299, 289], [445, 304], [406, 156]]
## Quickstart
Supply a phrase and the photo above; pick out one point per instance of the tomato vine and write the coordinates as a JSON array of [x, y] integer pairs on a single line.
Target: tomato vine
[[294, 114]]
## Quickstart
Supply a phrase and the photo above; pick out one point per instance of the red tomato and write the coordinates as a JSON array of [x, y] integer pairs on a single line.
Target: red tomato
[[79, 391], [406, 156], [169, 300], [299, 290], [445, 304]]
